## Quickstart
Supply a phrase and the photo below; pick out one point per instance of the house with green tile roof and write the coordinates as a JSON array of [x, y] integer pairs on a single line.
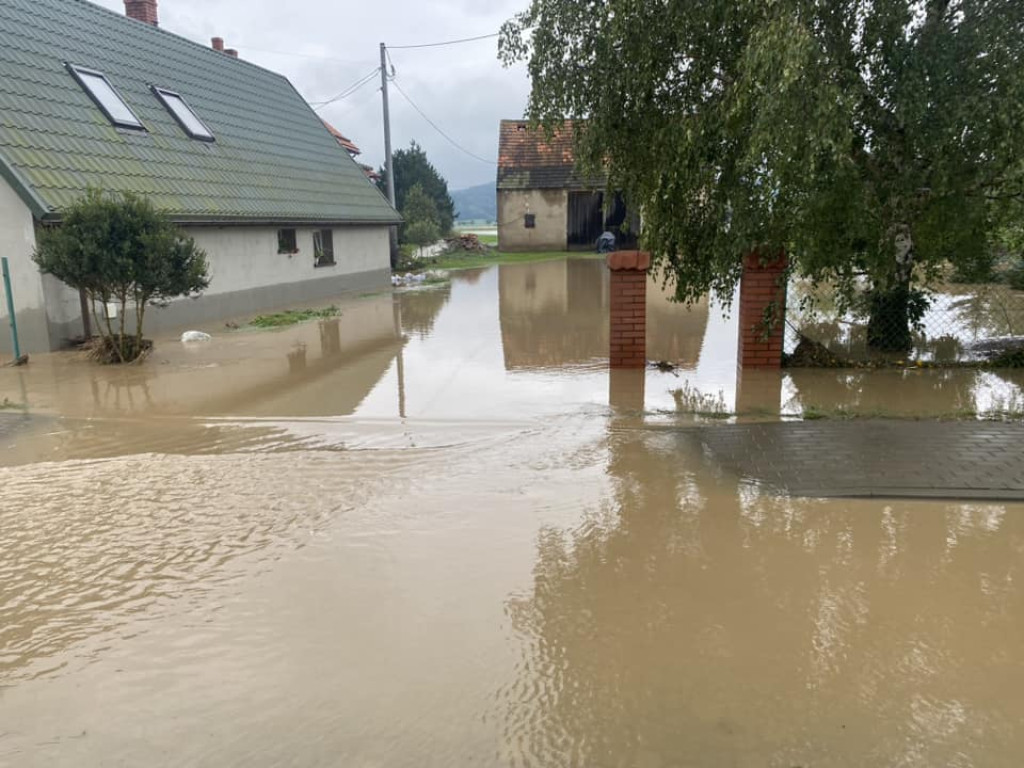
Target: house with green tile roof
[[229, 150]]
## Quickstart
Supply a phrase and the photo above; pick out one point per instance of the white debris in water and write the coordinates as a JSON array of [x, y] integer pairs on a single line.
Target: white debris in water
[[420, 278], [193, 336], [409, 279]]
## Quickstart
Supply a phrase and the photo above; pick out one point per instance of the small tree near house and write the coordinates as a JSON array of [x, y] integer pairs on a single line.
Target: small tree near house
[[413, 169], [422, 222], [119, 250], [422, 233]]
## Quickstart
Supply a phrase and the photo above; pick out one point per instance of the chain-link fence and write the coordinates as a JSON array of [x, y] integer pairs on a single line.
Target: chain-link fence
[[952, 323]]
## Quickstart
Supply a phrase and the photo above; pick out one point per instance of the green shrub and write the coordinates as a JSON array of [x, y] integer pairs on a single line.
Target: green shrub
[[118, 249]]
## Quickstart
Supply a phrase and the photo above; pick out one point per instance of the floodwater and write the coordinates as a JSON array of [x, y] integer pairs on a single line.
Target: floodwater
[[436, 532]]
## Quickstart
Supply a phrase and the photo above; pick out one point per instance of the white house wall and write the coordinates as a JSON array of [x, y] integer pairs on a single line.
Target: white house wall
[[244, 258], [17, 242], [248, 275]]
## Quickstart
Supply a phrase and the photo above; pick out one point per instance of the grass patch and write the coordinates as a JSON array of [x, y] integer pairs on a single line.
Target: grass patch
[[1000, 412], [10, 405], [293, 317], [691, 401]]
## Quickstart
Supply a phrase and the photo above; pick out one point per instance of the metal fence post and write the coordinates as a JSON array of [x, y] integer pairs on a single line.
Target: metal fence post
[[10, 308]]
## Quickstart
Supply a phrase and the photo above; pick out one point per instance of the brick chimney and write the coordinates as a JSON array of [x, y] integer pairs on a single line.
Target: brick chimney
[[232, 53], [142, 10], [218, 44]]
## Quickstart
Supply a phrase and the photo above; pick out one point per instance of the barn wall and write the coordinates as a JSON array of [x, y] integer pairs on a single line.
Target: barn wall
[[550, 209]]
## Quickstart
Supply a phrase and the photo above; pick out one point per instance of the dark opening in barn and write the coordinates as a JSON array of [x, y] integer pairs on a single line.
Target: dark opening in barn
[[588, 219]]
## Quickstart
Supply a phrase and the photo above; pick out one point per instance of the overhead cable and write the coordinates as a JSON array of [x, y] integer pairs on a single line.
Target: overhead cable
[[434, 125], [446, 42], [364, 80]]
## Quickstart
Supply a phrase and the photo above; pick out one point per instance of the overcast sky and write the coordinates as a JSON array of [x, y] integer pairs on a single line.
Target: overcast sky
[[462, 88]]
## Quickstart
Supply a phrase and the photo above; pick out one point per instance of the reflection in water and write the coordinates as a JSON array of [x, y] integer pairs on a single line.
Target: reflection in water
[[419, 308], [555, 313], [330, 337], [916, 392], [445, 353], [691, 621]]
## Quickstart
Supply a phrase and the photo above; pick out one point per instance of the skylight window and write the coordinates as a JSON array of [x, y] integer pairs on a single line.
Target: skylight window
[[106, 98], [184, 114]]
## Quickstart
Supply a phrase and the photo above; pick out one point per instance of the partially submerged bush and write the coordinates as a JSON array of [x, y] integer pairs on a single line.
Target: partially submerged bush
[[118, 249]]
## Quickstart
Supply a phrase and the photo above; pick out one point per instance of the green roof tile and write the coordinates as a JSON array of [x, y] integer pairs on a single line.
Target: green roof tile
[[273, 160]]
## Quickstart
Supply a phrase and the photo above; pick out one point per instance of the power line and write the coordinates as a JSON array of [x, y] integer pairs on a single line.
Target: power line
[[352, 88], [446, 42], [352, 103], [364, 80], [302, 55], [434, 125]]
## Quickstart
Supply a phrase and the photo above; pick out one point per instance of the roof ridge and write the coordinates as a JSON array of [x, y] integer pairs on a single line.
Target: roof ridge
[[161, 30]]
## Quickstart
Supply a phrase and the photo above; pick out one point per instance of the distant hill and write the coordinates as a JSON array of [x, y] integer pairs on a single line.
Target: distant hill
[[476, 203]]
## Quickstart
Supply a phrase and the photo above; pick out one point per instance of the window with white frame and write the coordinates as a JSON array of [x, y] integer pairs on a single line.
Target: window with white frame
[[323, 247], [103, 93], [185, 116]]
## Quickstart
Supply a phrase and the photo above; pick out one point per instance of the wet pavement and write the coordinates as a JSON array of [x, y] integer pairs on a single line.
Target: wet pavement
[[437, 532], [893, 459]]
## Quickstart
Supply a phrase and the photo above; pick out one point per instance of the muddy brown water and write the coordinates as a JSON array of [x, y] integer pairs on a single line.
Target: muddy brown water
[[421, 536]]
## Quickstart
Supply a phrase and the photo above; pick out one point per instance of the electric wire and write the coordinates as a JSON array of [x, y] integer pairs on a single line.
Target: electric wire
[[445, 42], [434, 125], [361, 82]]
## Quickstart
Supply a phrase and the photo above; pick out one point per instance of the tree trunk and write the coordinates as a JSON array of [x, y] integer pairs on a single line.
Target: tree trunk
[[83, 302], [120, 339], [140, 315], [890, 321], [114, 344]]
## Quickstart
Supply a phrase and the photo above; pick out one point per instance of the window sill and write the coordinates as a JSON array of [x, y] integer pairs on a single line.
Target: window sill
[[325, 264], [287, 253]]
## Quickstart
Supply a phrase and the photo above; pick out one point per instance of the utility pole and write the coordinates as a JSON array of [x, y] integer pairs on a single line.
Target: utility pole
[[389, 160]]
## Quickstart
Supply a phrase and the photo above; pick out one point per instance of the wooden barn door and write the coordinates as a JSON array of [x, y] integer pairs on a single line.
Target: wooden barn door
[[586, 219]]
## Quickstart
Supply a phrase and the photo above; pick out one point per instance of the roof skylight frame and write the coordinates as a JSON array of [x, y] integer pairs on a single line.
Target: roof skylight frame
[[167, 97], [83, 76]]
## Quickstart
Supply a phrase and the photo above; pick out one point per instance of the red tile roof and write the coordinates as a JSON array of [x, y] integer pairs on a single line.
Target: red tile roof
[[528, 159], [343, 140]]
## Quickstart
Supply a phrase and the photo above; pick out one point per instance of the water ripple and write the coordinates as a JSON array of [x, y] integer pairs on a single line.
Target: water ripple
[[89, 545]]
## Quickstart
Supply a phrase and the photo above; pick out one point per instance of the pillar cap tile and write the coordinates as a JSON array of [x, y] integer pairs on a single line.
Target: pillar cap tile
[[639, 261], [758, 260]]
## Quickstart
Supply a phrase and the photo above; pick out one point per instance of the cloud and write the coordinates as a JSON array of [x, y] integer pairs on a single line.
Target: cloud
[[324, 47]]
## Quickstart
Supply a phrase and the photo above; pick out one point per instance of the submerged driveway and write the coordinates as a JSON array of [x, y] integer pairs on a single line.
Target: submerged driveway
[[894, 458]]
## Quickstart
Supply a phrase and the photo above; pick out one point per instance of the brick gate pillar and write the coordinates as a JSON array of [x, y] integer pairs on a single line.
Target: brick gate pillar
[[763, 283], [628, 333]]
